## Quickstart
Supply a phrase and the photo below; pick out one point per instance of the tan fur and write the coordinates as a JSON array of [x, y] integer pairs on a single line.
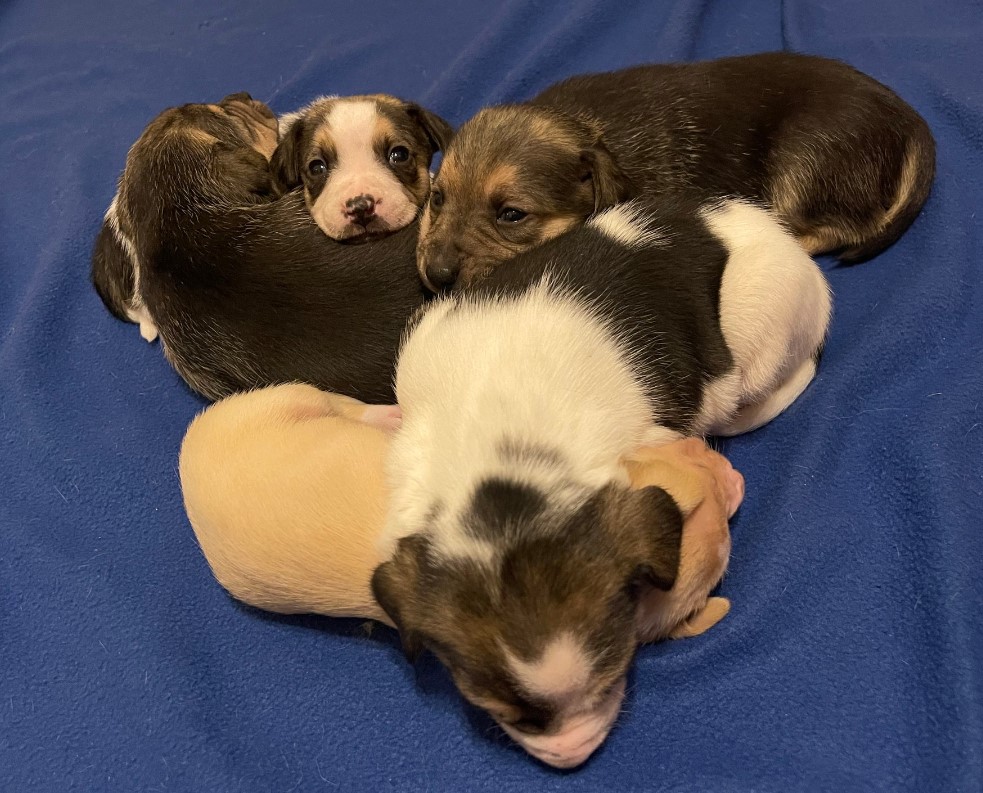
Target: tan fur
[[284, 489]]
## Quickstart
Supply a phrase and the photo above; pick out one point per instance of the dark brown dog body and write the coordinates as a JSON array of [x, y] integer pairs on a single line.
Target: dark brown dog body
[[244, 290], [840, 158]]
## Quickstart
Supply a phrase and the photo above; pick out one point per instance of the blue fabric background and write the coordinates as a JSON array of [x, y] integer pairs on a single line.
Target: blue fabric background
[[853, 656]]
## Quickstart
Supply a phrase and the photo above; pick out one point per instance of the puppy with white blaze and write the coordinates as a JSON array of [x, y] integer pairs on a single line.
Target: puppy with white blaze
[[515, 550]]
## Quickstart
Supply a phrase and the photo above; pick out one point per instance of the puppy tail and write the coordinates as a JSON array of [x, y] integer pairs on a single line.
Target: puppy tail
[[913, 187]]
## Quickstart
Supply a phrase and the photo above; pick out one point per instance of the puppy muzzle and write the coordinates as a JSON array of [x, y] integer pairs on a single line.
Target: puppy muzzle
[[578, 737]]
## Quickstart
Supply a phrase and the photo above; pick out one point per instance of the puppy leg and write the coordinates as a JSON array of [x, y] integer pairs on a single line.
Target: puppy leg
[[714, 611], [750, 417]]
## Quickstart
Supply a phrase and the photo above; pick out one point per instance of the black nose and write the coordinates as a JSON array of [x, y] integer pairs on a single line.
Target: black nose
[[443, 275], [360, 209]]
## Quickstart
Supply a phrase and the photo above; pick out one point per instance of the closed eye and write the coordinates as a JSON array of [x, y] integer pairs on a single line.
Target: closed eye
[[530, 726]]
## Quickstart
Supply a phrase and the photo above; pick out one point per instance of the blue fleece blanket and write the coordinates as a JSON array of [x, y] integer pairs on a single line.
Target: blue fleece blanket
[[853, 657]]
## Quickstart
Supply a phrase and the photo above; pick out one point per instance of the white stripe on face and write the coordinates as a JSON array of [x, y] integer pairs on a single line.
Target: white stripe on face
[[560, 673]]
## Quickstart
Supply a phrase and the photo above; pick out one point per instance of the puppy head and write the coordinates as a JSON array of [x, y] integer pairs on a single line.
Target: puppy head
[[364, 162], [513, 177], [192, 154], [532, 606]]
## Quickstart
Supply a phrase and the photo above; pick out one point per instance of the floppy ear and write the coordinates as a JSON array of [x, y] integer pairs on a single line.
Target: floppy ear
[[438, 131], [393, 585], [112, 273], [651, 529], [242, 172], [611, 186], [285, 163]]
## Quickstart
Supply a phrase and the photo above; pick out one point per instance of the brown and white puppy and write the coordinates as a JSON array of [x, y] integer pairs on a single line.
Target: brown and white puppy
[[841, 159], [285, 490], [514, 549], [364, 161], [242, 288]]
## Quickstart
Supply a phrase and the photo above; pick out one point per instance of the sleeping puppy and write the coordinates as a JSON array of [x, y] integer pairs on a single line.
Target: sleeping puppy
[[363, 161], [245, 290], [840, 158], [515, 550]]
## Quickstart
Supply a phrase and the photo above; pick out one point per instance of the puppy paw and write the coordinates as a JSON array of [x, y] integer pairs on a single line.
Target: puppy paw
[[385, 417], [714, 611]]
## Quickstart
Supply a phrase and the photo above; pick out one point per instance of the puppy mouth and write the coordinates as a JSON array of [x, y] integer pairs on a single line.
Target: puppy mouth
[[357, 233]]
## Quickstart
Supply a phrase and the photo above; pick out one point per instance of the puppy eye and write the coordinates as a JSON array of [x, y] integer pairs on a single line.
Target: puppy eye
[[530, 726], [398, 154], [436, 199], [317, 167], [511, 215]]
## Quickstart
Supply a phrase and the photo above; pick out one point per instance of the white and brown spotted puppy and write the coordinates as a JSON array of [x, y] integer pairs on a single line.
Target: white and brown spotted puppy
[[841, 159], [515, 549], [363, 161]]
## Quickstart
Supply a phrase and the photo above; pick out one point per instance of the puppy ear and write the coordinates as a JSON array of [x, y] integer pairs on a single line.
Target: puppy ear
[[285, 163], [394, 585], [112, 272], [611, 185], [244, 173], [438, 131], [650, 526]]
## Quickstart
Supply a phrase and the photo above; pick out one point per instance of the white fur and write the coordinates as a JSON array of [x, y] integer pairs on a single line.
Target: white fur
[[775, 307], [137, 311], [561, 672], [627, 224], [359, 171], [287, 120], [541, 368], [544, 369]]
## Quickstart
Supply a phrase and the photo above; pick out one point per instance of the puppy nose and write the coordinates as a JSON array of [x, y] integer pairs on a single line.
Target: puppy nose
[[360, 209], [442, 275]]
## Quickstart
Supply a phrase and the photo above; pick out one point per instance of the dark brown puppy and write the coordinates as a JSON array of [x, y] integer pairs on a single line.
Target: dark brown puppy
[[244, 290], [840, 158], [364, 161]]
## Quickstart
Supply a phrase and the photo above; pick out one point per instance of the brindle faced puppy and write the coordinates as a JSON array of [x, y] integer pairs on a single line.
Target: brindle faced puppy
[[363, 161], [840, 158]]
